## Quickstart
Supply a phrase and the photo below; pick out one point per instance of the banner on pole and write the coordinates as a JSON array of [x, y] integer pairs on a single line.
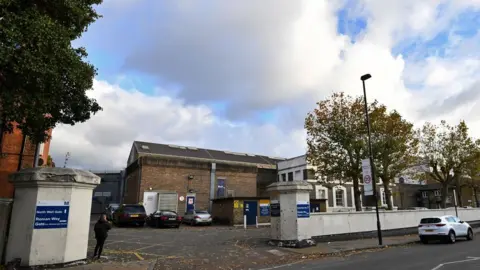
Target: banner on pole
[[367, 177]]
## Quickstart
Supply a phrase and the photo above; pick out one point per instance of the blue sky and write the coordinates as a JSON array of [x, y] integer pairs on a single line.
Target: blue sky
[[242, 75]]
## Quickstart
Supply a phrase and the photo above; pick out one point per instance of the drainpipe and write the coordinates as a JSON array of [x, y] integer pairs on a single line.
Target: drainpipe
[[212, 185]]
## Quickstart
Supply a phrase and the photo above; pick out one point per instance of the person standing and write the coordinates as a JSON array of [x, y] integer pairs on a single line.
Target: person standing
[[101, 233]]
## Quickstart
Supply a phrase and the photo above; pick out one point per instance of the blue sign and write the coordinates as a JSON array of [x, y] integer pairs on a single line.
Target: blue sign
[[264, 210], [221, 188], [51, 215], [303, 209]]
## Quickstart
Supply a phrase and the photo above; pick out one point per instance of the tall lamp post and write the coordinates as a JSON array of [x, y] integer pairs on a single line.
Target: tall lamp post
[[372, 165]]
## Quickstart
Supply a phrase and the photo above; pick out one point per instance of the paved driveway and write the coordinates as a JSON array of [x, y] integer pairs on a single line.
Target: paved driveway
[[221, 247]]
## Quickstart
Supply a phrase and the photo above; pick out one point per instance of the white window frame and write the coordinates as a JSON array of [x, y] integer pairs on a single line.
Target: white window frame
[[424, 194], [344, 189], [382, 199], [353, 197], [437, 193]]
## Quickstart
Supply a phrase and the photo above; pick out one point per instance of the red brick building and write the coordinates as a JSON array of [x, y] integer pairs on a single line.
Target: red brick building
[[10, 157], [203, 173]]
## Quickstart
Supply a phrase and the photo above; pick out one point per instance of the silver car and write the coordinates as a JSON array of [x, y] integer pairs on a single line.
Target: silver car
[[197, 217]]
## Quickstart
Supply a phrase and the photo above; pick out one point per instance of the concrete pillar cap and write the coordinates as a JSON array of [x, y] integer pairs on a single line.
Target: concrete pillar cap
[[46, 174]]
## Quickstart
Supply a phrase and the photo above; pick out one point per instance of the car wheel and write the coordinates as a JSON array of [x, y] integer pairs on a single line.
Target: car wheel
[[470, 235], [451, 238], [424, 240], [157, 224]]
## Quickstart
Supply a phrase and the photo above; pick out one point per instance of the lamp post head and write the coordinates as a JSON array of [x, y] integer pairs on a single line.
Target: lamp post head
[[365, 77]]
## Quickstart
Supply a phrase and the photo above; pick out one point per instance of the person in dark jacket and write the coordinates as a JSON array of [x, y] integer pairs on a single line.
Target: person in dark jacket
[[101, 233]]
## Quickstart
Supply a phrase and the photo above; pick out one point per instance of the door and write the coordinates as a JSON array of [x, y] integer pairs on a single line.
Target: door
[[190, 203], [250, 210], [167, 201]]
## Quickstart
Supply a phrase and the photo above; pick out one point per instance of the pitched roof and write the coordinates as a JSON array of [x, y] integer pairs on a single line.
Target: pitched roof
[[201, 153]]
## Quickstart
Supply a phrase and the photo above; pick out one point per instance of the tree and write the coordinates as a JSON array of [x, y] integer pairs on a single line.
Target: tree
[[336, 138], [447, 150], [43, 78], [394, 144], [471, 177]]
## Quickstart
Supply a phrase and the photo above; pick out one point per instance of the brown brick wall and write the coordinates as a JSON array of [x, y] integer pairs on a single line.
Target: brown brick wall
[[9, 158], [172, 175], [222, 212]]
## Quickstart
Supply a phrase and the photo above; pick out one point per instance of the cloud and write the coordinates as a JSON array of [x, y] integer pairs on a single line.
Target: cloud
[[104, 142], [274, 57]]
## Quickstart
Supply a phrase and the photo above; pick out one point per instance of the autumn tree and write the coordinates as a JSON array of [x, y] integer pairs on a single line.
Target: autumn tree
[[337, 141], [394, 144], [471, 176], [41, 73], [446, 149]]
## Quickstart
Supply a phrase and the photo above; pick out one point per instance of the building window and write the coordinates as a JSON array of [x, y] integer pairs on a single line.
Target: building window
[[309, 174], [321, 193], [298, 175], [290, 176], [384, 196], [305, 174], [424, 194], [284, 177], [438, 193], [340, 196]]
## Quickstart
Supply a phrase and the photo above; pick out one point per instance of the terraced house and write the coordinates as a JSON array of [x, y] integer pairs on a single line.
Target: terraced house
[[203, 174]]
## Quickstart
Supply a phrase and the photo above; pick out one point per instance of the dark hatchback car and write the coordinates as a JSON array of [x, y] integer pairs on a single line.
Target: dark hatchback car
[[164, 218], [129, 214]]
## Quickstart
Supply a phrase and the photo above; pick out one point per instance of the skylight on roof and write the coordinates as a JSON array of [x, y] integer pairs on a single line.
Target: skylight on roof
[[276, 158], [145, 147], [235, 153], [192, 148], [177, 146]]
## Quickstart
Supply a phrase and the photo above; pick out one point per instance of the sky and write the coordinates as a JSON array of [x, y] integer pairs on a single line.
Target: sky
[[242, 75]]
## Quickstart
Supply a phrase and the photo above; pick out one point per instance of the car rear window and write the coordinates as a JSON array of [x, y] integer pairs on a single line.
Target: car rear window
[[168, 213], [134, 208], [430, 220]]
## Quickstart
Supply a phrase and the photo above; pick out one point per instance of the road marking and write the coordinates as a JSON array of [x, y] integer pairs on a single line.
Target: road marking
[[138, 256], [469, 259]]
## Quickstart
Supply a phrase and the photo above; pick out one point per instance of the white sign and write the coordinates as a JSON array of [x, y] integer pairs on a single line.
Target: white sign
[[367, 177], [107, 194], [181, 198]]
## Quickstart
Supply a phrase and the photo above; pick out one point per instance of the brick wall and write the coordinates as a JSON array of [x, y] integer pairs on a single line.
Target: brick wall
[[9, 157], [173, 175]]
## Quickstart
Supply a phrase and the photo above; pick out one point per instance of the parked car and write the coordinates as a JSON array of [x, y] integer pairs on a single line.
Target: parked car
[[197, 217], [110, 209], [447, 228], [129, 214], [164, 218]]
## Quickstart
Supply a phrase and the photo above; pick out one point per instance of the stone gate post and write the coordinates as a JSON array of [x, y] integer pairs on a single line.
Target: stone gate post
[[290, 214], [51, 215]]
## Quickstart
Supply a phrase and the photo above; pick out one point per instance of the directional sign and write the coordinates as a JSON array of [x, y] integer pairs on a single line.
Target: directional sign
[[51, 214], [367, 177]]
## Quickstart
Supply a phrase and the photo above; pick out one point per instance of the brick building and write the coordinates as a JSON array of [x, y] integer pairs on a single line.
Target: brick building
[[203, 173], [11, 155]]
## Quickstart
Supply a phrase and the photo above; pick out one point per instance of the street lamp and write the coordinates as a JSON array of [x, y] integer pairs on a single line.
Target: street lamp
[[372, 165]]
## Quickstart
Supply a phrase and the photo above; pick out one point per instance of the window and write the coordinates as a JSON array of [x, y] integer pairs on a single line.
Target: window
[[438, 193], [309, 174], [430, 220], [384, 197], [284, 177], [321, 194], [424, 194], [339, 197], [305, 174], [290, 176], [298, 175], [451, 219]]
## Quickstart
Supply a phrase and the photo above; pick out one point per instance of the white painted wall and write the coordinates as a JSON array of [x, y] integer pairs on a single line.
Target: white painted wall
[[354, 222]]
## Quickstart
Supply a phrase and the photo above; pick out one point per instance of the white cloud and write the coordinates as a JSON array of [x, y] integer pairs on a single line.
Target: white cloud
[[257, 57]]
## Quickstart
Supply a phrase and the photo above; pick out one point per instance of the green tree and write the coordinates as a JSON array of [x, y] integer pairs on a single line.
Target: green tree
[[43, 78], [336, 138], [447, 150], [471, 176], [395, 146]]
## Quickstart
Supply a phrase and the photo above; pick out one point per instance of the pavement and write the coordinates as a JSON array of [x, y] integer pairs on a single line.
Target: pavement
[[235, 248]]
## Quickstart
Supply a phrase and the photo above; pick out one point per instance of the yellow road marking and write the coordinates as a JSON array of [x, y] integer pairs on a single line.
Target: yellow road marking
[[138, 256]]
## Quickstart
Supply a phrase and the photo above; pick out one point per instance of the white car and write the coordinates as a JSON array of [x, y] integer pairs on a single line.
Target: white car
[[447, 228]]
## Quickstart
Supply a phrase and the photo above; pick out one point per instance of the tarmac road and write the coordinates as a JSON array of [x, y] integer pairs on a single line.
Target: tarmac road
[[463, 255]]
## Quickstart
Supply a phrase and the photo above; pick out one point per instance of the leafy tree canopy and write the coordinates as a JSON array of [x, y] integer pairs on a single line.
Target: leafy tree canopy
[[43, 78]]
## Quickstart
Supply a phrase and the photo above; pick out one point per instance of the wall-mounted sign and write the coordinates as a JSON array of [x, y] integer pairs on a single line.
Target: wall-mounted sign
[[181, 198], [236, 204], [264, 208], [275, 208], [221, 188], [51, 214], [303, 209]]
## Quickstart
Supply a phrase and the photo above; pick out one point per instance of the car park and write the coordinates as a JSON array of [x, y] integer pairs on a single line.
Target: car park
[[110, 210], [446, 228], [129, 214], [197, 217], [164, 218]]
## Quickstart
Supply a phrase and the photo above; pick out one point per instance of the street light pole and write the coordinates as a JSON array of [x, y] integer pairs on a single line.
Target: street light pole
[[372, 165]]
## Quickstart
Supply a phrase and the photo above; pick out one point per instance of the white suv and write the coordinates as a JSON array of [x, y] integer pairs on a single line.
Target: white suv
[[444, 228]]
